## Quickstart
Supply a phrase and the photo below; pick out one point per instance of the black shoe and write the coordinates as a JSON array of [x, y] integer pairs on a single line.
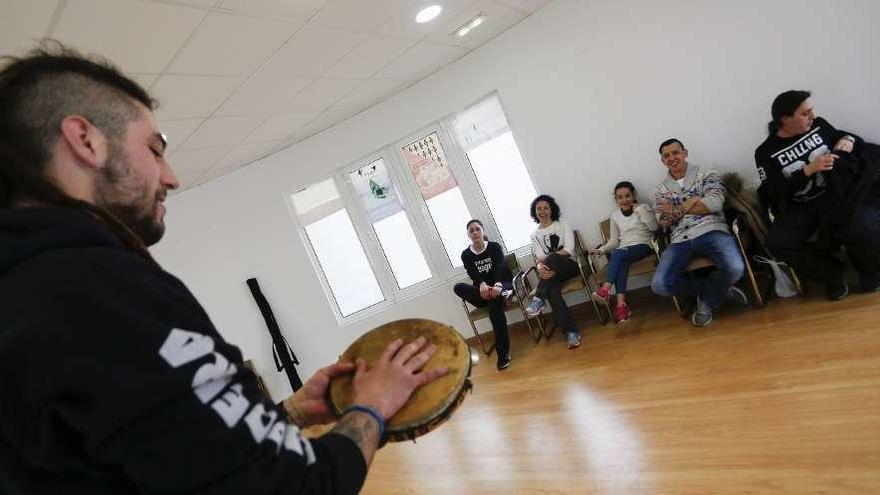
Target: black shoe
[[736, 298], [869, 282], [503, 361], [835, 291]]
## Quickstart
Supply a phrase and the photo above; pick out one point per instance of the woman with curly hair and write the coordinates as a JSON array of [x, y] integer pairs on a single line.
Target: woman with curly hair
[[553, 245]]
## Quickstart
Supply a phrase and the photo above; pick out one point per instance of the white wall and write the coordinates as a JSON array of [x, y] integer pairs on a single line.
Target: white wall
[[590, 89]]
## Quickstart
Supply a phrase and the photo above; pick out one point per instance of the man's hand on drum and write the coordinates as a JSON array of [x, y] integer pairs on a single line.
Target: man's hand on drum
[[308, 406], [387, 385]]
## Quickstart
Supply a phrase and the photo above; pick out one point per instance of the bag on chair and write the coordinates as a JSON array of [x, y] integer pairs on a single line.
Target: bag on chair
[[784, 286]]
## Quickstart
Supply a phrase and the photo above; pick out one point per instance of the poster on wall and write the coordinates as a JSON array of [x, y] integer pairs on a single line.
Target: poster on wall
[[429, 167], [376, 191]]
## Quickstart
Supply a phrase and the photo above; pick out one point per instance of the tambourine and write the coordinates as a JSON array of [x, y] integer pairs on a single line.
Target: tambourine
[[430, 405]]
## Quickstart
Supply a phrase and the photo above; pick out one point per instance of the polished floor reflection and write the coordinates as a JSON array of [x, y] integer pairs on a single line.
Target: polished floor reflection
[[778, 400]]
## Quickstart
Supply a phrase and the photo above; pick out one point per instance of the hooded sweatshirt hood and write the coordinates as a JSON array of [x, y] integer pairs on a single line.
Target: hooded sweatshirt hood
[[26, 233]]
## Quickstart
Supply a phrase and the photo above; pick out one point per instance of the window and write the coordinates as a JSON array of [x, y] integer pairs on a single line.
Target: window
[[336, 246], [392, 225], [381, 200], [483, 133], [428, 166]]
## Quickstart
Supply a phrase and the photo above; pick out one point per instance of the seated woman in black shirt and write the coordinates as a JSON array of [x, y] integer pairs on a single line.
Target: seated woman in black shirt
[[800, 166], [484, 262]]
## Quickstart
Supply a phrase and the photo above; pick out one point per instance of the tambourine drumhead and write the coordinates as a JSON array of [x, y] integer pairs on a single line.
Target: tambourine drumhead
[[429, 403]]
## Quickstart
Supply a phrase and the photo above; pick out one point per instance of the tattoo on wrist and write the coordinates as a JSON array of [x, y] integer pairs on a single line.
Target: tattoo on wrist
[[295, 415], [362, 429]]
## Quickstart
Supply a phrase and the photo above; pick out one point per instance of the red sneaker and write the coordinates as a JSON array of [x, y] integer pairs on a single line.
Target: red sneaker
[[622, 314], [602, 295]]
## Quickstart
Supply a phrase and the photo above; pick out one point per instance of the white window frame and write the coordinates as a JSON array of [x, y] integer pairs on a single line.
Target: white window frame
[[387, 280], [442, 271], [319, 270]]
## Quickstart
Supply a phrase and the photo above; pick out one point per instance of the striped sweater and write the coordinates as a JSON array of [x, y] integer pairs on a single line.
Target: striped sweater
[[703, 183]]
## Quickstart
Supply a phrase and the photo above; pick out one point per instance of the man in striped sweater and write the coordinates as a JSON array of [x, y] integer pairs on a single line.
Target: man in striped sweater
[[689, 204]]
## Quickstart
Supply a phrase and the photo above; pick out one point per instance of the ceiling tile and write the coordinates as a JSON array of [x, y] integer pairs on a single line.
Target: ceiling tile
[[498, 18], [179, 100], [324, 121], [527, 6], [145, 80], [188, 165], [369, 56], [420, 61], [358, 15], [215, 173], [231, 44], [311, 52], [23, 24], [321, 94], [280, 126], [403, 24], [138, 36], [369, 93], [199, 3], [247, 153], [263, 94], [177, 131], [300, 10], [220, 131]]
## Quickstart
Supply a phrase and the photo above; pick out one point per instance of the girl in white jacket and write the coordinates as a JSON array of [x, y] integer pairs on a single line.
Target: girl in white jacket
[[632, 226]]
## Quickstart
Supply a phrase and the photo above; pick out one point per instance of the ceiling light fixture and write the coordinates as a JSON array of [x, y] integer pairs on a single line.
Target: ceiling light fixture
[[465, 28], [428, 14]]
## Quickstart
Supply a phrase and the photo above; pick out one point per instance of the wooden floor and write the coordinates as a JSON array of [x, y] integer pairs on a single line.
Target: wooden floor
[[784, 399]]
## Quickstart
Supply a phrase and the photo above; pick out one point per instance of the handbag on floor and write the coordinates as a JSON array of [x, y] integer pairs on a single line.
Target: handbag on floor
[[784, 286]]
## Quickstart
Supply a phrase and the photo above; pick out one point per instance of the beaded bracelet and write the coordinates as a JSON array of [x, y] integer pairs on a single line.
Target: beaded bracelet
[[372, 412]]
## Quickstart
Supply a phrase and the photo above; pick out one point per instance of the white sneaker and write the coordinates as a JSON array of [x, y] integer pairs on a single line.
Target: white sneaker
[[536, 306]]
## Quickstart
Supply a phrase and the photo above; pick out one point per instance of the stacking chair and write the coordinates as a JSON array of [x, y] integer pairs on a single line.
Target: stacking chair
[[475, 314], [599, 275], [579, 282]]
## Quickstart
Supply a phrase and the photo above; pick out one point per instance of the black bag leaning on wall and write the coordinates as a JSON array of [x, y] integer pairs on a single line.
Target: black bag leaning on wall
[[283, 355]]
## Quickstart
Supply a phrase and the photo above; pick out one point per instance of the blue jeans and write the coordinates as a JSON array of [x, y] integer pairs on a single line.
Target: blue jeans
[[618, 268], [718, 246]]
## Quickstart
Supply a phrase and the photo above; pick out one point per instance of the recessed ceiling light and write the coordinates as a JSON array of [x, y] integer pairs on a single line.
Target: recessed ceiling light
[[428, 14], [465, 28]]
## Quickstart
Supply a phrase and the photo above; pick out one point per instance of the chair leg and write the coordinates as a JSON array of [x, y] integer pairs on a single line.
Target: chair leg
[[535, 334], [797, 281], [755, 290], [586, 281], [759, 298], [608, 309], [487, 351], [677, 306], [611, 302], [547, 329]]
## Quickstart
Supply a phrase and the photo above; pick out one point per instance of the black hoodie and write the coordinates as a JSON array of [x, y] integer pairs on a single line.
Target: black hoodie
[[114, 380]]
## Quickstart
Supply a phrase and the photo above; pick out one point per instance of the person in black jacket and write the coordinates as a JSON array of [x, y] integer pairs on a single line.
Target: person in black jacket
[[796, 164], [113, 378], [484, 262]]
